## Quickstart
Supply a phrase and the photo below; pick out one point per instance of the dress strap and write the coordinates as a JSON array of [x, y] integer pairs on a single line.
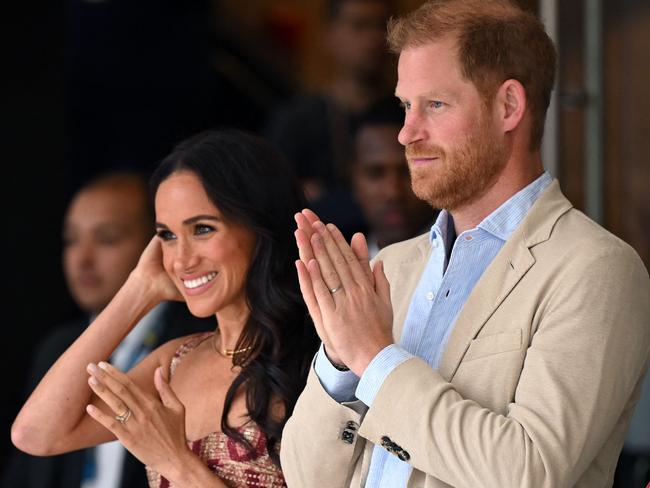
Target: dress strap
[[191, 343]]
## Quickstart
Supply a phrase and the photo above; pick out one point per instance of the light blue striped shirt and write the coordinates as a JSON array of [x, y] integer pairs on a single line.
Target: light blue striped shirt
[[451, 273]]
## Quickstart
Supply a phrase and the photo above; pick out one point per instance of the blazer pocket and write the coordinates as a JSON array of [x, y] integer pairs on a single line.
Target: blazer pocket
[[493, 344]]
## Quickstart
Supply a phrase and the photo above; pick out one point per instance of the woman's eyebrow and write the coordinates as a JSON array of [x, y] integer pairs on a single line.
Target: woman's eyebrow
[[191, 220]]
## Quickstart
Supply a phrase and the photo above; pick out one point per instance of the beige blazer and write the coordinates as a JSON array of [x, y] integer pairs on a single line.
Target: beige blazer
[[536, 386]]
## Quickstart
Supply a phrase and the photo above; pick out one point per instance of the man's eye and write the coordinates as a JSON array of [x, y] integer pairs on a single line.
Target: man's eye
[[165, 235], [202, 229], [109, 240], [436, 104], [405, 105], [374, 173]]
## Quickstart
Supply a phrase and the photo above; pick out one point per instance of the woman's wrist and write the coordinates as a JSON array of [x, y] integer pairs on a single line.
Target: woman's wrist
[[141, 290], [132, 302]]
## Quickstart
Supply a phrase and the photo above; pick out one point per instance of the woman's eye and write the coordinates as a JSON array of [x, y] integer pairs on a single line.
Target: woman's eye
[[165, 235], [202, 229]]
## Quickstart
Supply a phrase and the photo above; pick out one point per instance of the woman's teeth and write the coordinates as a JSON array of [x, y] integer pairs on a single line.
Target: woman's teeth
[[195, 283]]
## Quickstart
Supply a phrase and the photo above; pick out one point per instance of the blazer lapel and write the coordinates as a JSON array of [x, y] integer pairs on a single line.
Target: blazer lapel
[[502, 275]]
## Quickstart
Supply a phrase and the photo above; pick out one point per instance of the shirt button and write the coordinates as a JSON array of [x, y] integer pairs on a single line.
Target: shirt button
[[430, 296], [468, 238]]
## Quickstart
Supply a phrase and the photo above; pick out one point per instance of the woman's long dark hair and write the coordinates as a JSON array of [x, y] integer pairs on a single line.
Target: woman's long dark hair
[[251, 184]]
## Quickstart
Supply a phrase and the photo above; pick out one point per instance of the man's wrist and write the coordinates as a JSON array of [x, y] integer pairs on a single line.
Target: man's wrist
[[337, 366], [378, 370]]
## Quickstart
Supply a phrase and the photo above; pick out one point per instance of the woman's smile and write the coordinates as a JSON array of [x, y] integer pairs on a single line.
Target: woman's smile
[[198, 285]]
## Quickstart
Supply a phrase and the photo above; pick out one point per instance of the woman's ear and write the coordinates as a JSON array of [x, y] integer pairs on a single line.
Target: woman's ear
[[511, 104]]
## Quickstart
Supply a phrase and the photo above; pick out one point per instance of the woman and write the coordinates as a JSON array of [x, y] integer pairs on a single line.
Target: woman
[[210, 403]]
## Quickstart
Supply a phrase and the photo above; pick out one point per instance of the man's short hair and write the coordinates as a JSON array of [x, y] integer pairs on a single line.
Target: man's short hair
[[122, 178], [497, 41]]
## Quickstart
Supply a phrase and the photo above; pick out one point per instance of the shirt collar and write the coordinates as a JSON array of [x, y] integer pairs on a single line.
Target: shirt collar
[[504, 220]]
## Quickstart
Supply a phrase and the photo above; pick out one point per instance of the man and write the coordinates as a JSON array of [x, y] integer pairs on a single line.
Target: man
[[313, 131], [381, 183], [522, 326], [107, 225]]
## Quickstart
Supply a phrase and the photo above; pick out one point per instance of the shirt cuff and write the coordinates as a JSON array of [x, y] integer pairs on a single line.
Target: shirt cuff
[[340, 385], [378, 370]]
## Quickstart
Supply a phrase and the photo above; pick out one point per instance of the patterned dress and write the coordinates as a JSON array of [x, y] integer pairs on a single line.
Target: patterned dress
[[228, 459]]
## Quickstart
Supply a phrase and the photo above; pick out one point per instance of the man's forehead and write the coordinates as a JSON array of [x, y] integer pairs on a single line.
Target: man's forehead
[[378, 137], [112, 195], [380, 146], [429, 72], [107, 206]]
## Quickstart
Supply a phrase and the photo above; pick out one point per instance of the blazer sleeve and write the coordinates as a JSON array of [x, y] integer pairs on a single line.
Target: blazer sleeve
[[583, 364], [320, 441]]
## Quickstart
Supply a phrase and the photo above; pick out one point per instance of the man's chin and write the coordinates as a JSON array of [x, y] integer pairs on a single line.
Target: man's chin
[[91, 305]]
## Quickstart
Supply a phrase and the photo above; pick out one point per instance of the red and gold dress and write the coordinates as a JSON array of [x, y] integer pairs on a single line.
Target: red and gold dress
[[227, 458]]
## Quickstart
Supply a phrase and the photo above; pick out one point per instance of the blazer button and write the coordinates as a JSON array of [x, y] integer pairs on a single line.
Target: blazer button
[[347, 437], [351, 425], [403, 455], [385, 441]]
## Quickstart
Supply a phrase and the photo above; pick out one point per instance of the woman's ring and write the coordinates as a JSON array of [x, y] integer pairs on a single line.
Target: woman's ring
[[124, 417], [334, 290]]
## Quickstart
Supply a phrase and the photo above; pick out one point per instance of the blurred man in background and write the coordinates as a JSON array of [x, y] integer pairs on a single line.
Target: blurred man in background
[[381, 183], [315, 131], [107, 225]]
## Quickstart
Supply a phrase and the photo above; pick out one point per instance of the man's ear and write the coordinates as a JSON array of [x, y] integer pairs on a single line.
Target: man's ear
[[510, 104]]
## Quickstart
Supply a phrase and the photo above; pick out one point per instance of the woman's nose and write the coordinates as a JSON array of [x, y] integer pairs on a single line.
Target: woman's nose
[[185, 259]]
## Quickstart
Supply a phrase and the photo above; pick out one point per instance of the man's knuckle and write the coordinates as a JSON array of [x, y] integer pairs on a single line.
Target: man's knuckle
[[331, 275]]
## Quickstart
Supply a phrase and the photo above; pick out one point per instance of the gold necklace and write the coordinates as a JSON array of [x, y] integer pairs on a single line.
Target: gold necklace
[[229, 353]]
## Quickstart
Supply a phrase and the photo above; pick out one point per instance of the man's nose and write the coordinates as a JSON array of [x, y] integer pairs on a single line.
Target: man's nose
[[85, 253], [413, 129]]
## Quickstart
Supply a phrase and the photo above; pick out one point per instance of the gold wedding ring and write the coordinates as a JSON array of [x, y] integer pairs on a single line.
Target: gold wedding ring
[[124, 417]]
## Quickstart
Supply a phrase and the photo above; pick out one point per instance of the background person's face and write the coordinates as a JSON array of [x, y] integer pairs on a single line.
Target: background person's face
[[382, 186], [104, 234], [358, 36]]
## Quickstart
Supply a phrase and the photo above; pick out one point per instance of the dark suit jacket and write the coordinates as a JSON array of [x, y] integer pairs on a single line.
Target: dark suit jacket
[[64, 471]]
